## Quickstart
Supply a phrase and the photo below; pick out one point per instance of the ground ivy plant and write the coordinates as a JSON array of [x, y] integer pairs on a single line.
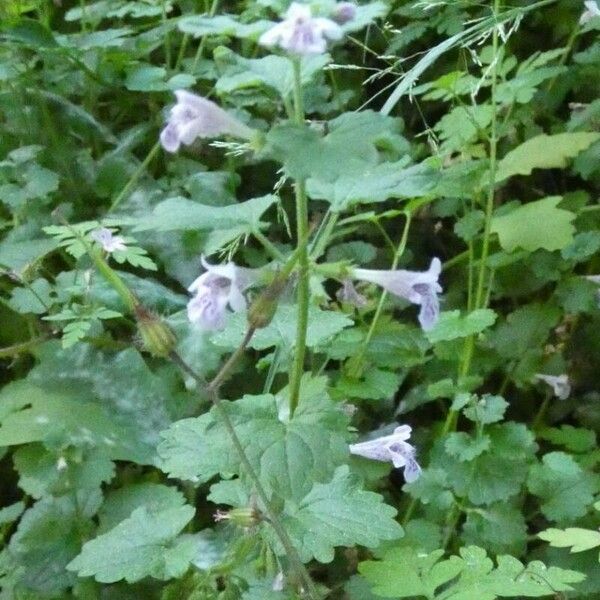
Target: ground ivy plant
[[299, 300]]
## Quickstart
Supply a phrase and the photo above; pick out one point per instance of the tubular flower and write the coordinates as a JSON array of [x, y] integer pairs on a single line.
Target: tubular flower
[[392, 448], [195, 117], [591, 11], [560, 384], [107, 240], [418, 287], [301, 33], [218, 287]]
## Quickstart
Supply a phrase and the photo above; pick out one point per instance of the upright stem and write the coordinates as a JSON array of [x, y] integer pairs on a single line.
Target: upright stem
[[211, 13], [135, 177], [489, 208], [302, 241], [213, 390], [479, 302]]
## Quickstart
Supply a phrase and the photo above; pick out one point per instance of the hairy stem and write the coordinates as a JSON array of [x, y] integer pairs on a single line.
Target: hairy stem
[[135, 177], [479, 301], [302, 246], [213, 390]]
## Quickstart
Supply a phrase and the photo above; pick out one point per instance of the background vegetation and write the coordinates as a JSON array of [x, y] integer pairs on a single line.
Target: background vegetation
[[468, 131]]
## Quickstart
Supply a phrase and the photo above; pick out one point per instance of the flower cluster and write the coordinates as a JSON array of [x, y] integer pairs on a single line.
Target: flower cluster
[[217, 288], [392, 448], [194, 117]]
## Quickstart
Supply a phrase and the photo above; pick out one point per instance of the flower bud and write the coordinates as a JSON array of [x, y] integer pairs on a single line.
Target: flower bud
[[157, 336], [241, 517], [262, 310]]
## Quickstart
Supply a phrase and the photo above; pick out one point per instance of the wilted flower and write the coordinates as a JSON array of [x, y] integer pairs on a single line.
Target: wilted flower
[[560, 384], [301, 33], [344, 12], [418, 287], [220, 286], [349, 295], [195, 117], [591, 11], [107, 240], [392, 448]]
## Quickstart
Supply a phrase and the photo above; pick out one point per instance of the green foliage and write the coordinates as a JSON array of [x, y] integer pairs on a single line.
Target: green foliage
[[289, 454], [565, 489], [544, 152], [404, 573], [458, 130], [535, 225], [338, 513], [144, 544]]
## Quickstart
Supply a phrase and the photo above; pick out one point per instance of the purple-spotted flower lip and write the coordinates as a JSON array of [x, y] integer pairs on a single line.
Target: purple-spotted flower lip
[[219, 287], [194, 117], [392, 448], [418, 287], [109, 242], [300, 33], [560, 384]]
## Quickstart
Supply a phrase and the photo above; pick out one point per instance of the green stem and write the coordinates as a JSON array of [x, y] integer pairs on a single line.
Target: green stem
[[538, 420], [211, 13], [113, 279], [167, 36], [302, 241], [489, 208], [268, 245], [321, 238], [273, 518], [182, 49], [469, 345], [223, 373], [21, 347], [135, 177]]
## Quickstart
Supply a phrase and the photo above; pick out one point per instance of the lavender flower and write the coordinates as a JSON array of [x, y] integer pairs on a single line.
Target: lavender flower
[[392, 448], [107, 240], [301, 33], [418, 287], [591, 12], [220, 286], [560, 384], [195, 117]]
